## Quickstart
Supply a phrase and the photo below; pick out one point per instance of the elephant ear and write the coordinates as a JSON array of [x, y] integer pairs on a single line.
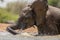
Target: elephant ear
[[46, 4]]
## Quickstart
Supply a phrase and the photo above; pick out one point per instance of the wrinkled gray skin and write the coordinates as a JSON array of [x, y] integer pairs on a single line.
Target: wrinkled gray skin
[[52, 21], [25, 20], [53, 18], [39, 8], [38, 16], [45, 25]]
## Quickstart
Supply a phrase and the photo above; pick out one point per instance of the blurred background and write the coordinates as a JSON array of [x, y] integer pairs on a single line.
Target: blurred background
[[10, 9]]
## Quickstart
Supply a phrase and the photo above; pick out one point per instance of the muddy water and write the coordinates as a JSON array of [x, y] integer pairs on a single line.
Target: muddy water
[[8, 36]]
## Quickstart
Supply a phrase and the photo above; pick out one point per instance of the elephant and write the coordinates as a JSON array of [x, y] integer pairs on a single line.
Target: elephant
[[45, 23], [25, 20], [42, 15], [37, 7], [52, 21], [53, 18]]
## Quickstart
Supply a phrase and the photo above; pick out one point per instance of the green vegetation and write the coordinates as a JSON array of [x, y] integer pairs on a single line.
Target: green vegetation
[[11, 12], [55, 3], [5, 15]]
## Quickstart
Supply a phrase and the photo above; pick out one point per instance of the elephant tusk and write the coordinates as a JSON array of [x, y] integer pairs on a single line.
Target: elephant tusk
[[9, 29]]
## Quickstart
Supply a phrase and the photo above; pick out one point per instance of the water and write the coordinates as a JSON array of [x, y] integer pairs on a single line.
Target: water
[[8, 36]]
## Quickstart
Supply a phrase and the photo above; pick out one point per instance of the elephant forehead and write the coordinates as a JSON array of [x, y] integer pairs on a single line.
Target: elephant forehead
[[26, 9], [39, 3]]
